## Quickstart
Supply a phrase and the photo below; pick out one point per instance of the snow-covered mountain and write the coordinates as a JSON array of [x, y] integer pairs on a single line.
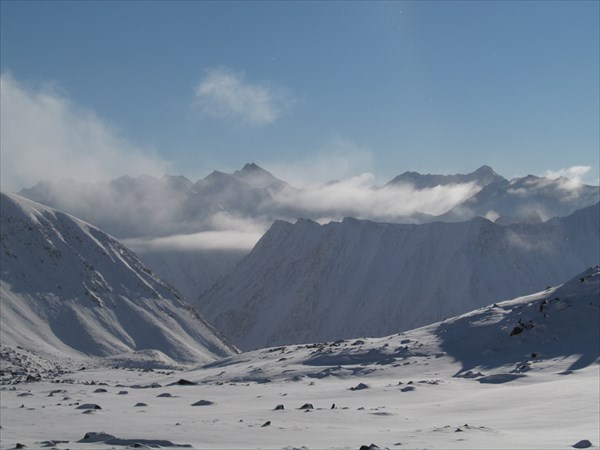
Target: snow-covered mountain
[[306, 282], [527, 199], [69, 289], [260, 178]]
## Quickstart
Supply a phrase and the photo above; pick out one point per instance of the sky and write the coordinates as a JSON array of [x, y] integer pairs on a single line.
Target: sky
[[312, 91]]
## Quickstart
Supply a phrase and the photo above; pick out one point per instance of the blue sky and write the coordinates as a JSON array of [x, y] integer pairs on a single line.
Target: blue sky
[[308, 89]]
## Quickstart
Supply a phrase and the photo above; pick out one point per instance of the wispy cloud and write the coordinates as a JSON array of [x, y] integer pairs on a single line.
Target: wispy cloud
[[576, 173], [571, 178], [227, 94], [337, 159], [46, 136]]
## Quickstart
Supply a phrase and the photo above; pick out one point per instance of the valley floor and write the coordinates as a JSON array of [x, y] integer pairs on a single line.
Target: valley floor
[[431, 408]]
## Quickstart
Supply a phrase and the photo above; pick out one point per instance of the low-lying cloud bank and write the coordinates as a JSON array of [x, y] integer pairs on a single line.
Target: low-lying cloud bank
[[171, 212], [226, 232], [357, 197], [205, 240]]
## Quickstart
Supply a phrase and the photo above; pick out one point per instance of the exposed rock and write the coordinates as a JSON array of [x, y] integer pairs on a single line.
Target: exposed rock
[[584, 443], [203, 403], [89, 406]]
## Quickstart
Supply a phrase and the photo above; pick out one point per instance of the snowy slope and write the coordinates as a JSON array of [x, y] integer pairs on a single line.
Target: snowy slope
[[68, 288], [307, 282], [467, 382], [560, 322]]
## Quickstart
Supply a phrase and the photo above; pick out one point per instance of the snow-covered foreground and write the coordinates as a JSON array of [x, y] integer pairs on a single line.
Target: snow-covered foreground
[[541, 410], [517, 374]]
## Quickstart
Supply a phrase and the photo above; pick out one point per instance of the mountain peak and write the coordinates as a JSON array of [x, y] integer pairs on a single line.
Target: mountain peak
[[251, 167], [485, 169], [252, 170], [258, 177]]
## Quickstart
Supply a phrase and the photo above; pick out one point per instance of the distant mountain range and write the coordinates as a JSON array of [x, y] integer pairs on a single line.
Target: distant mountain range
[[69, 289], [482, 177], [306, 282], [145, 208], [525, 199], [148, 206]]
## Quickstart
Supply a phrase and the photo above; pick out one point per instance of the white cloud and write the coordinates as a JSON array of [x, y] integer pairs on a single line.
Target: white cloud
[[225, 93], [356, 197], [571, 178], [205, 240], [576, 173], [227, 232], [45, 136]]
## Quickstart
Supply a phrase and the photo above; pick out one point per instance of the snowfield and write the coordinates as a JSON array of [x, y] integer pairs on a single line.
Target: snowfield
[[516, 374]]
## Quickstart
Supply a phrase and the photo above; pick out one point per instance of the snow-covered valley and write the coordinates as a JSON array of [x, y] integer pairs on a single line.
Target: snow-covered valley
[[473, 381]]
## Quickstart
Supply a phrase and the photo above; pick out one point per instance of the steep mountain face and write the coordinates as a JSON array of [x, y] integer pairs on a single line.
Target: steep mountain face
[[482, 177], [525, 200], [67, 288], [306, 282]]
